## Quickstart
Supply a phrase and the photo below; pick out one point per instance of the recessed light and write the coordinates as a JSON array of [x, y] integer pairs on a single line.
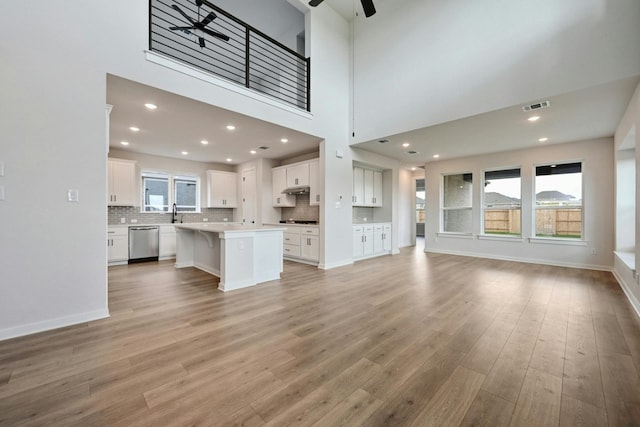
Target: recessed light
[[231, 127], [204, 142], [151, 106], [229, 159], [253, 151], [436, 156], [534, 118], [406, 144], [124, 142], [134, 129], [284, 140], [543, 139], [184, 153]]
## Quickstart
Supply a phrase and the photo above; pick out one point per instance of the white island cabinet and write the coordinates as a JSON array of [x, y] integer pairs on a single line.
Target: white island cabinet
[[239, 255]]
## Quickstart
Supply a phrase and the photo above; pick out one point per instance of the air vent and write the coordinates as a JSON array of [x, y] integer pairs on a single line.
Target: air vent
[[263, 148], [412, 152], [536, 106], [383, 141]]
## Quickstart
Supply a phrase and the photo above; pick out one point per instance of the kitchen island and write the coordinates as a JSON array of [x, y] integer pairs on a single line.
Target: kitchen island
[[240, 255]]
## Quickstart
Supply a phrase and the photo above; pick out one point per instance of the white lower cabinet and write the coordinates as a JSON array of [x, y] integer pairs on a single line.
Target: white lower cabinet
[[167, 241], [371, 240], [117, 245], [302, 244]]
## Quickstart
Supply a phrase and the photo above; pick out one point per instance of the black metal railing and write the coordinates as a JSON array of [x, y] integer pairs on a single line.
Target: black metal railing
[[250, 57]]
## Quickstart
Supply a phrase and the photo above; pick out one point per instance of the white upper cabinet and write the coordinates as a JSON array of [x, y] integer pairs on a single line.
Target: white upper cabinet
[[367, 187], [222, 189], [314, 183], [122, 182], [279, 183], [298, 175]]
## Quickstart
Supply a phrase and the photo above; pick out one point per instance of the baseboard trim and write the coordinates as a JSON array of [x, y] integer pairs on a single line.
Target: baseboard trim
[[524, 260], [47, 325], [627, 291], [335, 265]]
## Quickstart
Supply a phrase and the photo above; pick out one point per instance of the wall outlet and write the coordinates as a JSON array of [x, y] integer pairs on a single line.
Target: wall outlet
[[134, 221], [73, 195], [205, 219], [226, 219], [123, 220], [594, 251]]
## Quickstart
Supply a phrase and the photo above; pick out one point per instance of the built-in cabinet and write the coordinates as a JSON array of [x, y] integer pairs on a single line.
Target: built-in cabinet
[[371, 240], [279, 183], [117, 245], [222, 189], [122, 182], [367, 187], [301, 174], [314, 183], [167, 241], [302, 244]]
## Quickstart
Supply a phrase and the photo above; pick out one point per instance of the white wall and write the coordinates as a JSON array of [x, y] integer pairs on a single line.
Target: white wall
[[53, 86], [598, 202], [406, 209], [627, 140], [423, 62]]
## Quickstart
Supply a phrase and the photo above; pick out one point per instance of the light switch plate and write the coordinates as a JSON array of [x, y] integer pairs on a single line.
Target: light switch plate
[[1, 192], [73, 195], [1, 168]]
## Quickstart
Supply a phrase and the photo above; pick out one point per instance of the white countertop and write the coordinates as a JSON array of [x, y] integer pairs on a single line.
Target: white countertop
[[225, 227], [286, 225]]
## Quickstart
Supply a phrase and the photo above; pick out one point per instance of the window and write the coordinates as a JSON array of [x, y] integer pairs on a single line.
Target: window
[[158, 198], [185, 194], [502, 204], [457, 201], [155, 190], [420, 200], [559, 200]]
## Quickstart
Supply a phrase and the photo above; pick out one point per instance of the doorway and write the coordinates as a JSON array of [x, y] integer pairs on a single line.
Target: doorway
[[420, 204]]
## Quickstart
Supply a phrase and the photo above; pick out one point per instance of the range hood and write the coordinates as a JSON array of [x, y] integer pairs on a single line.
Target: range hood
[[302, 189]]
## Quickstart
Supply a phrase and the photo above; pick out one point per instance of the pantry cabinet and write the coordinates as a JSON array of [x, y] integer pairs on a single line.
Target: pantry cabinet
[[122, 182], [222, 189]]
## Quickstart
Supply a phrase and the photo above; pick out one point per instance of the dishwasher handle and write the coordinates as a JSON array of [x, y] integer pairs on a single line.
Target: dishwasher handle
[[143, 228]]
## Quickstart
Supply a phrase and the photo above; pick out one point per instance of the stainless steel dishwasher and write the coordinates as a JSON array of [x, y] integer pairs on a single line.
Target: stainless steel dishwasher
[[144, 243]]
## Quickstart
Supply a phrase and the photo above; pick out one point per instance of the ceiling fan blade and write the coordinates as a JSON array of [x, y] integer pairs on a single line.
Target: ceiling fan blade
[[215, 34], [201, 41], [314, 3], [369, 8], [210, 17], [187, 17]]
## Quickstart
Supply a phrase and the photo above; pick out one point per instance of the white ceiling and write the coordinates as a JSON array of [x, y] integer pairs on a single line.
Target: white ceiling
[[180, 124], [590, 113]]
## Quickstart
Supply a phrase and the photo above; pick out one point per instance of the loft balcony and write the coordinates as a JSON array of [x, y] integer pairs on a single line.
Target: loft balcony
[[202, 35]]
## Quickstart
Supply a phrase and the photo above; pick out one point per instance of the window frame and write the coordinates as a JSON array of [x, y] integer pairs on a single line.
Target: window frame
[[444, 208], [535, 238], [483, 233], [172, 178]]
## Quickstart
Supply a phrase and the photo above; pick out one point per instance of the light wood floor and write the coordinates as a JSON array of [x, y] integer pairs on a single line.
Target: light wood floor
[[410, 339]]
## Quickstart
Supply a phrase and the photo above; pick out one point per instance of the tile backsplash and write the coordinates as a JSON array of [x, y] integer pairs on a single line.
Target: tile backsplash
[[115, 213], [359, 214], [302, 210]]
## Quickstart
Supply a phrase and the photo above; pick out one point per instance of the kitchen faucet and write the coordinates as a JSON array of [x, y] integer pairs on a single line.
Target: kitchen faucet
[[174, 215]]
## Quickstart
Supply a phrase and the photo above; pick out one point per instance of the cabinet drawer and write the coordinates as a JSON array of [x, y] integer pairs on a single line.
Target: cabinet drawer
[[117, 231], [291, 239], [291, 250], [310, 231]]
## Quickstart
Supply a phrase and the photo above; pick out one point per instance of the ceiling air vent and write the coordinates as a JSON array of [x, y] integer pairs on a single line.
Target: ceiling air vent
[[383, 141], [263, 148], [536, 106], [412, 152]]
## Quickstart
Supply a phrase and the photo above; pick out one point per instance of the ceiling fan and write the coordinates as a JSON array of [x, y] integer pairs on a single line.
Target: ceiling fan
[[367, 5], [198, 25]]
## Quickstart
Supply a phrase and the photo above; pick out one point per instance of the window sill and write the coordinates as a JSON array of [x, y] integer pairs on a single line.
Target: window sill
[[456, 235], [516, 239], [627, 258], [557, 241]]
